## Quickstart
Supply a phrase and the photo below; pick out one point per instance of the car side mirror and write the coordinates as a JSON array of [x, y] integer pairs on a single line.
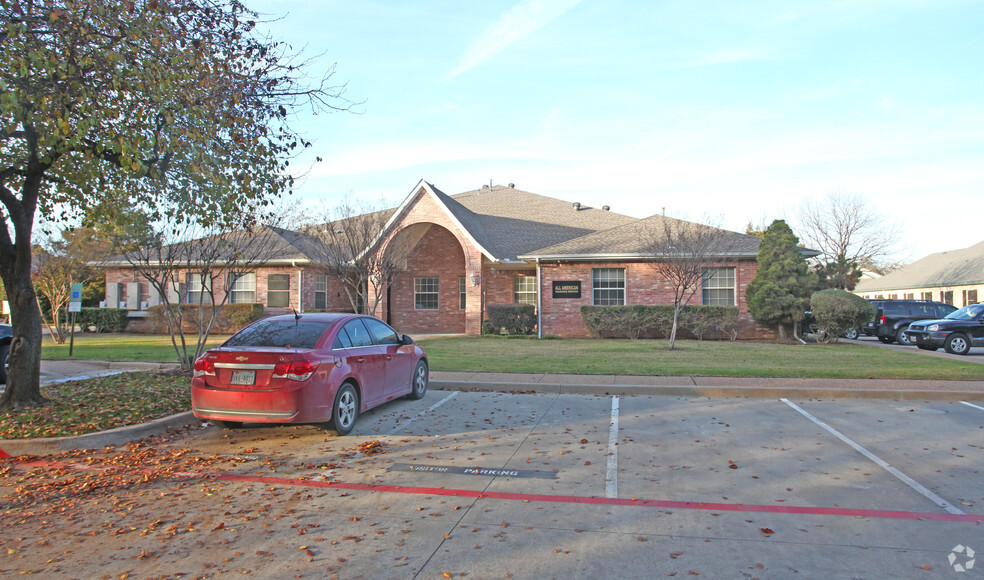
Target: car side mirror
[[406, 340]]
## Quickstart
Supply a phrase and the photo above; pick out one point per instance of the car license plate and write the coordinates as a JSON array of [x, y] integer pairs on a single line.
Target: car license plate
[[243, 378]]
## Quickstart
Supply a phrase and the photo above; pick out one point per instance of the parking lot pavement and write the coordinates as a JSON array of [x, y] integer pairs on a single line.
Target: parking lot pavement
[[974, 355], [494, 485]]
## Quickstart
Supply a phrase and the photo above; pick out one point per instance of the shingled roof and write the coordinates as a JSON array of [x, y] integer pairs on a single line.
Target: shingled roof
[[283, 246], [507, 222], [952, 268], [629, 241]]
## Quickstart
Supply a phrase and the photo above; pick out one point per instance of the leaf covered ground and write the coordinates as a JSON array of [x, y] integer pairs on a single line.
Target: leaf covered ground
[[98, 404]]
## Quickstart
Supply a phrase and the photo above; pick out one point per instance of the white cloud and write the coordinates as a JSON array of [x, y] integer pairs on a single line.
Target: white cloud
[[523, 19]]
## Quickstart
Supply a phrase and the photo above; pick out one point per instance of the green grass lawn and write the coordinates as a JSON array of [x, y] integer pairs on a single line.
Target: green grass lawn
[[848, 359], [120, 347]]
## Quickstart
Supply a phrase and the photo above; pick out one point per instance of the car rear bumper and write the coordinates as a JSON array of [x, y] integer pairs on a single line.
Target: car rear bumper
[[260, 406]]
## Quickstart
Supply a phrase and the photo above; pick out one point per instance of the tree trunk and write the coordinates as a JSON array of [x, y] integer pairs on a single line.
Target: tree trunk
[[24, 374], [24, 371], [676, 317]]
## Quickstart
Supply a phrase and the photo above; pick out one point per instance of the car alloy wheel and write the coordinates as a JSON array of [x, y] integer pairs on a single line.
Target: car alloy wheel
[[420, 379], [957, 343], [345, 410]]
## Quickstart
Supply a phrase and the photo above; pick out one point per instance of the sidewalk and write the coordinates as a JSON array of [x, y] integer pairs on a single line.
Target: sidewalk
[[699, 386]]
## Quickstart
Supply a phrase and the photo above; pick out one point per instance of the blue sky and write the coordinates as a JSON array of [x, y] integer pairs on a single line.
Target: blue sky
[[732, 112]]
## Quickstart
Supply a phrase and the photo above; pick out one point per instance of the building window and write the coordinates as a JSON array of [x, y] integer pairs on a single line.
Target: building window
[[461, 293], [242, 290], [195, 291], [425, 293], [524, 290], [909, 296], [718, 286], [970, 297], [608, 286], [927, 296], [947, 296], [278, 290], [321, 291]]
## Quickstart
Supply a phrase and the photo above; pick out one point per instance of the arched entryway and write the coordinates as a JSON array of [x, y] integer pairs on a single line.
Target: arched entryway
[[428, 296]]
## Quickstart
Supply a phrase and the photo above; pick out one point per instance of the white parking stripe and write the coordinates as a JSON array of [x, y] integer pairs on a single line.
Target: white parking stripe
[[611, 476], [972, 405], [422, 413], [898, 474]]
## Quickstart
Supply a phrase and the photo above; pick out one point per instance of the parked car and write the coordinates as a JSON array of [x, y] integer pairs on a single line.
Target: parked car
[[956, 332], [893, 317], [307, 368], [6, 335]]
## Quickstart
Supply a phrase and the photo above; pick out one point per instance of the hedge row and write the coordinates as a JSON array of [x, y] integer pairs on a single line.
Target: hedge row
[[510, 318], [231, 318], [656, 321], [103, 319]]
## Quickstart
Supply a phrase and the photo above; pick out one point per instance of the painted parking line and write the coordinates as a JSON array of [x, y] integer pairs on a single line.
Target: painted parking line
[[393, 433], [422, 413], [534, 497], [611, 472], [924, 491], [972, 405]]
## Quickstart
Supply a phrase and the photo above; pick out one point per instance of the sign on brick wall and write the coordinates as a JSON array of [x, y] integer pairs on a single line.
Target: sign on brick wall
[[568, 289]]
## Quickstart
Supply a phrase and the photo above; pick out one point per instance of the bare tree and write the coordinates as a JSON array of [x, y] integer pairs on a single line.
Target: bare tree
[[843, 228], [354, 248], [53, 276], [58, 263], [211, 258], [679, 252]]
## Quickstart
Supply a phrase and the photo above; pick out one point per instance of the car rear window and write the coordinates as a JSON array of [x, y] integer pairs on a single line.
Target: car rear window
[[280, 334]]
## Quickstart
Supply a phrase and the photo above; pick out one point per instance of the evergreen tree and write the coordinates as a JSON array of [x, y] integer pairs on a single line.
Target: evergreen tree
[[780, 292]]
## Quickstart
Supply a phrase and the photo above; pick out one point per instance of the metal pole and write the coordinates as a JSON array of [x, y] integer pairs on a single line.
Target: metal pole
[[71, 341]]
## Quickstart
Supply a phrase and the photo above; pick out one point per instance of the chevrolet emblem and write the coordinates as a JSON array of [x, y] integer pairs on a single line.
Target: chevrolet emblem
[[242, 358]]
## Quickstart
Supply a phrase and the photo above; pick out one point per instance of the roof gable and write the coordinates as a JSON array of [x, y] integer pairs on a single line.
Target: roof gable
[[504, 222], [951, 268]]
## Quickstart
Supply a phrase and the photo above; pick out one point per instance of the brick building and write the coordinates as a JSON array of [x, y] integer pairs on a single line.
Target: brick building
[[494, 245]]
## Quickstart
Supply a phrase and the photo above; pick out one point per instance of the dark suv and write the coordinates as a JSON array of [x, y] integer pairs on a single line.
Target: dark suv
[[892, 317], [956, 333]]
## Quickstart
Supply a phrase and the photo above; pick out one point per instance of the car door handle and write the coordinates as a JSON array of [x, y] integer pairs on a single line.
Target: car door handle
[[360, 360], [389, 357]]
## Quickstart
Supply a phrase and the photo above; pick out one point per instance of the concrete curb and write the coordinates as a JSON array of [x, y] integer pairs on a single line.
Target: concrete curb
[[118, 436]]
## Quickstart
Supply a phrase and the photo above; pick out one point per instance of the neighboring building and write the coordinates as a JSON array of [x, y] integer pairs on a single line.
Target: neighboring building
[[494, 245], [955, 277]]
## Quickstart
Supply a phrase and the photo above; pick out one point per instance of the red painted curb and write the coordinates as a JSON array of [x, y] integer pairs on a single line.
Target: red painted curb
[[532, 497], [848, 512]]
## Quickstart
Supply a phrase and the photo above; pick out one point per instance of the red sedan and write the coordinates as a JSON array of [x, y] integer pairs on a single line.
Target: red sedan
[[307, 368]]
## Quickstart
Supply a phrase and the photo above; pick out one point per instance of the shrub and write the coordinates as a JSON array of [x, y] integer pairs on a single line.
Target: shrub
[[656, 321], [231, 318], [837, 311], [103, 319], [513, 318]]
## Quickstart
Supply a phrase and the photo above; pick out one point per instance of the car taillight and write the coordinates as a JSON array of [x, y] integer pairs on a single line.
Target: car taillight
[[204, 367], [882, 320], [300, 370]]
